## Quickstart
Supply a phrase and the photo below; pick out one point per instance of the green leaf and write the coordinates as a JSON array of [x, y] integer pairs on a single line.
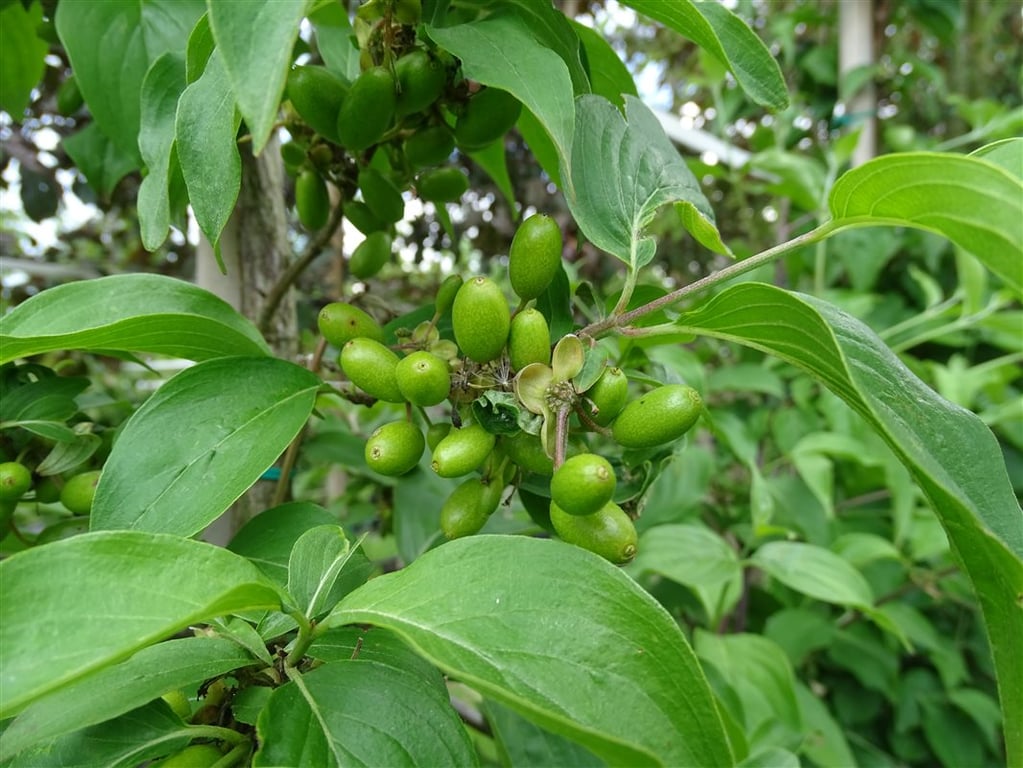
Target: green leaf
[[494, 162], [472, 607], [93, 600], [953, 457], [200, 441], [111, 46], [500, 50], [523, 743], [814, 571], [124, 742], [362, 713], [110, 692], [161, 89], [825, 743], [772, 757], [550, 26], [205, 134], [22, 56], [255, 43], [102, 162], [47, 397], [128, 313], [609, 77], [759, 673], [335, 40], [720, 32], [1007, 154], [323, 568], [623, 170], [267, 539], [974, 202]]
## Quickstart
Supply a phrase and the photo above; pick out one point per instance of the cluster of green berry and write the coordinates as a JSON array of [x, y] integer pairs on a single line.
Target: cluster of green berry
[[392, 128], [16, 481], [514, 401]]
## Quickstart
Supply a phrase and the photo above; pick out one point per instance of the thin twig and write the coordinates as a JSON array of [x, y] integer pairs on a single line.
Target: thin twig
[[292, 272]]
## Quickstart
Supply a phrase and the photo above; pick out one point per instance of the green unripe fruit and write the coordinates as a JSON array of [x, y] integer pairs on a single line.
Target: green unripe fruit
[[194, 756], [527, 451], [317, 95], [429, 146], [179, 703], [487, 117], [435, 433], [47, 491], [370, 255], [371, 367], [69, 97], [15, 480], [79, 491], [394, 449], [462, 451], [311, 199], [421, 81], [423, 378], [339, 323], [362, 218], [607, 532], [583, 484], [368, 110], [446, 294], [609, 395], [293, 154], [442, 185], [660, 416], [481, 319], [529, 340], [383, 198], [534, 256], [467, 508]]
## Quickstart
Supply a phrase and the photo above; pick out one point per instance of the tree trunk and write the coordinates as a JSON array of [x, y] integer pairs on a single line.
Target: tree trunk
[[255, 250]]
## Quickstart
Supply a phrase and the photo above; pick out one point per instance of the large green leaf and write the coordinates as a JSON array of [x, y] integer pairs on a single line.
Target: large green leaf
[[952, 455], [101, 161], [125, 742], [974, 202], [255, 43], [205, 138], [623, 170], [720, 32], [78, 605], [128, 313], [161, 89], [200, 441], [21, 56], [111, 46], [112, 691], [500, 50], [362, 713], [560, 636], [814, 571]]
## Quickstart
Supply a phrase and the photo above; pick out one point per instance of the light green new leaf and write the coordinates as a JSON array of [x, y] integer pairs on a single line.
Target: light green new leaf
[[319, 560], [200, 442], [81, 604], [500, 50], [112, 691], [21, 56], [161, 88], [952, 455], [974, 202], [623, 170], [596, 659], [689, 554], [127, 741], [128, 313], [111, 46], [335, 40], [719, 31], [267, 539], [815, 572], [362, 713], [255, 41], [205, 134], [1007, 154]]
